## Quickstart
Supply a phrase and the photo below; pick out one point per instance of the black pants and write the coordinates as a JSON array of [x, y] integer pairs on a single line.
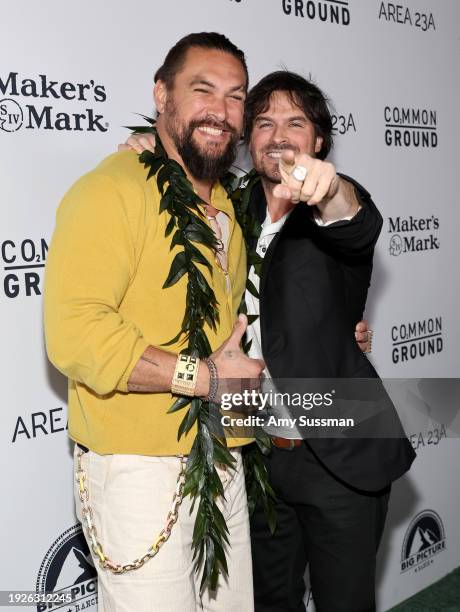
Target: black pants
[[321, 522]]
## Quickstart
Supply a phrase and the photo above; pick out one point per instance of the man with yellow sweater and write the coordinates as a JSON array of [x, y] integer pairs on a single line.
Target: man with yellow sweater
[[107, 317]]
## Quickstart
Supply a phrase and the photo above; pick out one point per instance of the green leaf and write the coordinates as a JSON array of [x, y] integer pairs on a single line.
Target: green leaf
[[165, 201], [207, 445], [198, 257], [220, 556], [251, 288], [183, 221], [195, 235], [139, 129], [199, 527], [163, 176], [202, 282], [190, 418], [176, 240], [177, 270], [201, 310], [170, 226], [223, 455], [263, 441], [180, 403], [254, 258], [219, 522], [174, 340], [210, 562]]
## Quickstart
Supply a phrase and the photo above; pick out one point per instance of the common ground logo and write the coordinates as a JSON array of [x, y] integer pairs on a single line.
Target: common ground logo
[[398, 13], [416, 339], [37, 102], [413, 234], [406, 126], [68, 567], [328, 11], [425, 539], [23, 261]]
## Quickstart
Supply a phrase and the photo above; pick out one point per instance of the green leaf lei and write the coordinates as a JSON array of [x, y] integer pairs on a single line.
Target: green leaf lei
[[186, 227]]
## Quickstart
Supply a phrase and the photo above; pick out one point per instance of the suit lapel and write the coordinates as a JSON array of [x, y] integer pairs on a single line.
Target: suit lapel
[[267, 261], [296, 221], [257, 208], [295, 225]]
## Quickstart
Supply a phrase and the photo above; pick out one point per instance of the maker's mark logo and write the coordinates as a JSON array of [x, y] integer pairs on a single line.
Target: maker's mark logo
[[396, 245], [30, 103], [425, 538], [11, 115], [413, 234], [68, 567]]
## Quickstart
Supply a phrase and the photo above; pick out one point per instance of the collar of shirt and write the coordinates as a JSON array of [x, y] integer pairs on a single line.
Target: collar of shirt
[[269, 231], [221, 201]]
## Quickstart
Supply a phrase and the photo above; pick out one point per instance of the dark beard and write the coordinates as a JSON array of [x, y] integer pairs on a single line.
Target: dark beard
[[201, 165]]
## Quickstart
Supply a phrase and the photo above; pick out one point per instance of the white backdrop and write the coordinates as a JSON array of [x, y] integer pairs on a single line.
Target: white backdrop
[[382, 65]]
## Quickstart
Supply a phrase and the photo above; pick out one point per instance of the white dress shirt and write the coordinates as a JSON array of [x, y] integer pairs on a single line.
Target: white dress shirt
[[269, 231]]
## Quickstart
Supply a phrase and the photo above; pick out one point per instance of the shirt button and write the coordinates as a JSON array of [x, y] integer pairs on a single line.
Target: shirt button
[[264, 249]]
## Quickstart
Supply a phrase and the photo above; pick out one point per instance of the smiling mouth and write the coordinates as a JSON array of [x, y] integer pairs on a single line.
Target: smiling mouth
[[211, 131], [274, 154]]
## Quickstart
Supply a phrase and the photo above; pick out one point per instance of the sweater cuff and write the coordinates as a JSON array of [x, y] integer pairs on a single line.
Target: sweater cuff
[[138, 351]]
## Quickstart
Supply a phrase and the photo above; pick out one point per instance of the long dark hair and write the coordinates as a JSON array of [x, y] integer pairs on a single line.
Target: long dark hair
[[304, 94]]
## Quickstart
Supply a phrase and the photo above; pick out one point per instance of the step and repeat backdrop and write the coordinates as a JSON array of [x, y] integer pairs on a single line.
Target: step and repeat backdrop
[[73, 74]]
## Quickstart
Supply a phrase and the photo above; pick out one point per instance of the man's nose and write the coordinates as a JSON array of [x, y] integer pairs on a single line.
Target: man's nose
[[218, 108], [279, 134]]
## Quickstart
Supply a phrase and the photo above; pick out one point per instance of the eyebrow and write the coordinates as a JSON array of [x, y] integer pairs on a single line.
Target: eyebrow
[[198, 80], [270, 118], [201, 81]]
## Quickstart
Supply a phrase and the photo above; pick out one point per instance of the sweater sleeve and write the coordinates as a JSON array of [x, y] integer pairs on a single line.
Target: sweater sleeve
[[90, 264]]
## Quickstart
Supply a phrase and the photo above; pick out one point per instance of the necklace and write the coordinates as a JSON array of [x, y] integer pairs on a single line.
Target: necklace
[[187, 226]]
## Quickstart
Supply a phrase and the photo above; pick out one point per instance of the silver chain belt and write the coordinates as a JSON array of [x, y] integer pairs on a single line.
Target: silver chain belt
[[88, 518]]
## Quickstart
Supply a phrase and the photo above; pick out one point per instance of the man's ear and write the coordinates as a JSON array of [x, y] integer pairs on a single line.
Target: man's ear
[[160, 95], [318, 144]]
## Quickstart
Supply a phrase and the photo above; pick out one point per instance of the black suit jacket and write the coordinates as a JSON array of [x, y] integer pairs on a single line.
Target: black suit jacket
[[313, 290]]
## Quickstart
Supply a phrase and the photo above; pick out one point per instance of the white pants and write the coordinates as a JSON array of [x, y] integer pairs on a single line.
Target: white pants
[[131, 496]]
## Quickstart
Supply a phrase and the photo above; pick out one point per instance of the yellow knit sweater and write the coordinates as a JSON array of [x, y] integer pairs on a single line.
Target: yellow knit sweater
[[104, 304]]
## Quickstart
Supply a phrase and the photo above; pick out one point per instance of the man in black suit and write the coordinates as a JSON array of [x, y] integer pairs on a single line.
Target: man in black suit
[[332, 494]]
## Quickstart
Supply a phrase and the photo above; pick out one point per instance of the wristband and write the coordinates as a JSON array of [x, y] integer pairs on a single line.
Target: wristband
[[185, 375], [213, 380]]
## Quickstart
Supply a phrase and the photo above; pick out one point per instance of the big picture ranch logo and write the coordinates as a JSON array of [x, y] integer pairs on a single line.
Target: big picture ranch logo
[[68, 568], [37, 103], [425, 538]]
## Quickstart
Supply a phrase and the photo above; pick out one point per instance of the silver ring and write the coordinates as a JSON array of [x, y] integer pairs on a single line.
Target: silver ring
[[299, 173]]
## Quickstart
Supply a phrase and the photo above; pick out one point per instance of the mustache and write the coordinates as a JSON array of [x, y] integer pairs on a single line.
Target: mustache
[[273, 148], [214, 123]]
